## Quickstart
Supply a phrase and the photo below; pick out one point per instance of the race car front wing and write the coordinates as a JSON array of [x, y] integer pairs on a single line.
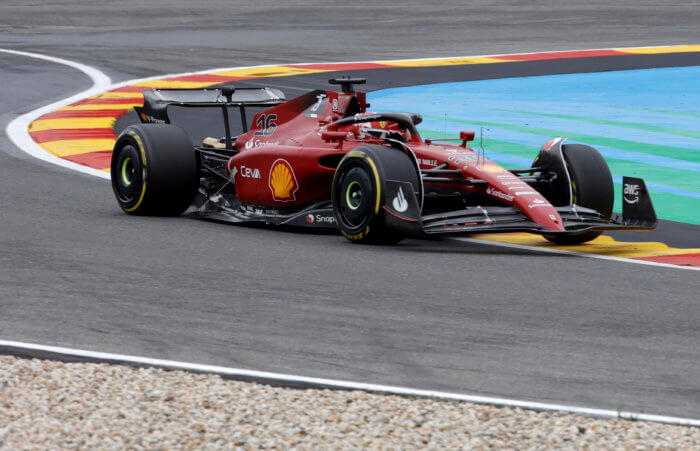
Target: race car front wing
[[637, 214]]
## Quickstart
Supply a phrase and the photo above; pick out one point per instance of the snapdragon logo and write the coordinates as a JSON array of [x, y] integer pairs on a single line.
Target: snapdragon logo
[[311, 219]]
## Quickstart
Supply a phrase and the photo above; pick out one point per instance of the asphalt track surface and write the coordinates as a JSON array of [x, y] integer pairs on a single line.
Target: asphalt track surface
[[442, 315]]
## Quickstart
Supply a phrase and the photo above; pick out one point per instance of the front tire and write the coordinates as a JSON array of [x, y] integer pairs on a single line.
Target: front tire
[[154, 170], [358, 190], [591, 186]]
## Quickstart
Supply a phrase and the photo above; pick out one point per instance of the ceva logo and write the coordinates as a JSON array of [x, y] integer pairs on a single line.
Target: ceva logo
[[250, 173]]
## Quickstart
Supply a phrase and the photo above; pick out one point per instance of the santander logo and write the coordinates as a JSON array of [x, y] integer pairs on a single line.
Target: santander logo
[[499, 194]]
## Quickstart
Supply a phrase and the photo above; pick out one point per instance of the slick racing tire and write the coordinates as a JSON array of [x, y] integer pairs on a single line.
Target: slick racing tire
[[154, 170], [591, 186], [358, 192]]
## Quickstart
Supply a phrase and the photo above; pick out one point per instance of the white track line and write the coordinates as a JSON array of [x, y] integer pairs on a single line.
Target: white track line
[[18, 129], [339, 384], [578, 254]]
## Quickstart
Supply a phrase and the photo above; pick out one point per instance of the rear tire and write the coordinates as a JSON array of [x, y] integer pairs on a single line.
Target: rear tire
[[591, 186], [154, 170]]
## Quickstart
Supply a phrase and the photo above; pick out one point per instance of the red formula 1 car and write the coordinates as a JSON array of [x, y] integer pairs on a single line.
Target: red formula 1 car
[[323, 160]]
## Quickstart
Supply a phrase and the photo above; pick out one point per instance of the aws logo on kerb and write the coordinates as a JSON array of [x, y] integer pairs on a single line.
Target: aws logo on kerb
[[283, 183]]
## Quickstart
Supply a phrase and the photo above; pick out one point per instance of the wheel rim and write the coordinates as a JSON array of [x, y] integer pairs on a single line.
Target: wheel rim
[[353, 195], [127, 179], [355, 198], [128, 171]]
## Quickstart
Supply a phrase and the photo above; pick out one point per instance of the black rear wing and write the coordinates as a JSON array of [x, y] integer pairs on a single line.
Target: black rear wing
[[156, 101]]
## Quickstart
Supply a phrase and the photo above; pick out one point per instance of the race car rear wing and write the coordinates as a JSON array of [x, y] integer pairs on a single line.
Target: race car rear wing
[[156, 102]]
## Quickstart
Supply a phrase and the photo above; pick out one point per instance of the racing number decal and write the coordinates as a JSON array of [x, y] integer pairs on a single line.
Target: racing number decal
[[267, 124]]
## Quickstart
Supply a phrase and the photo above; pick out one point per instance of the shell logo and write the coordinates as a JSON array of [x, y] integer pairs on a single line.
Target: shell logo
[[283, 182]]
